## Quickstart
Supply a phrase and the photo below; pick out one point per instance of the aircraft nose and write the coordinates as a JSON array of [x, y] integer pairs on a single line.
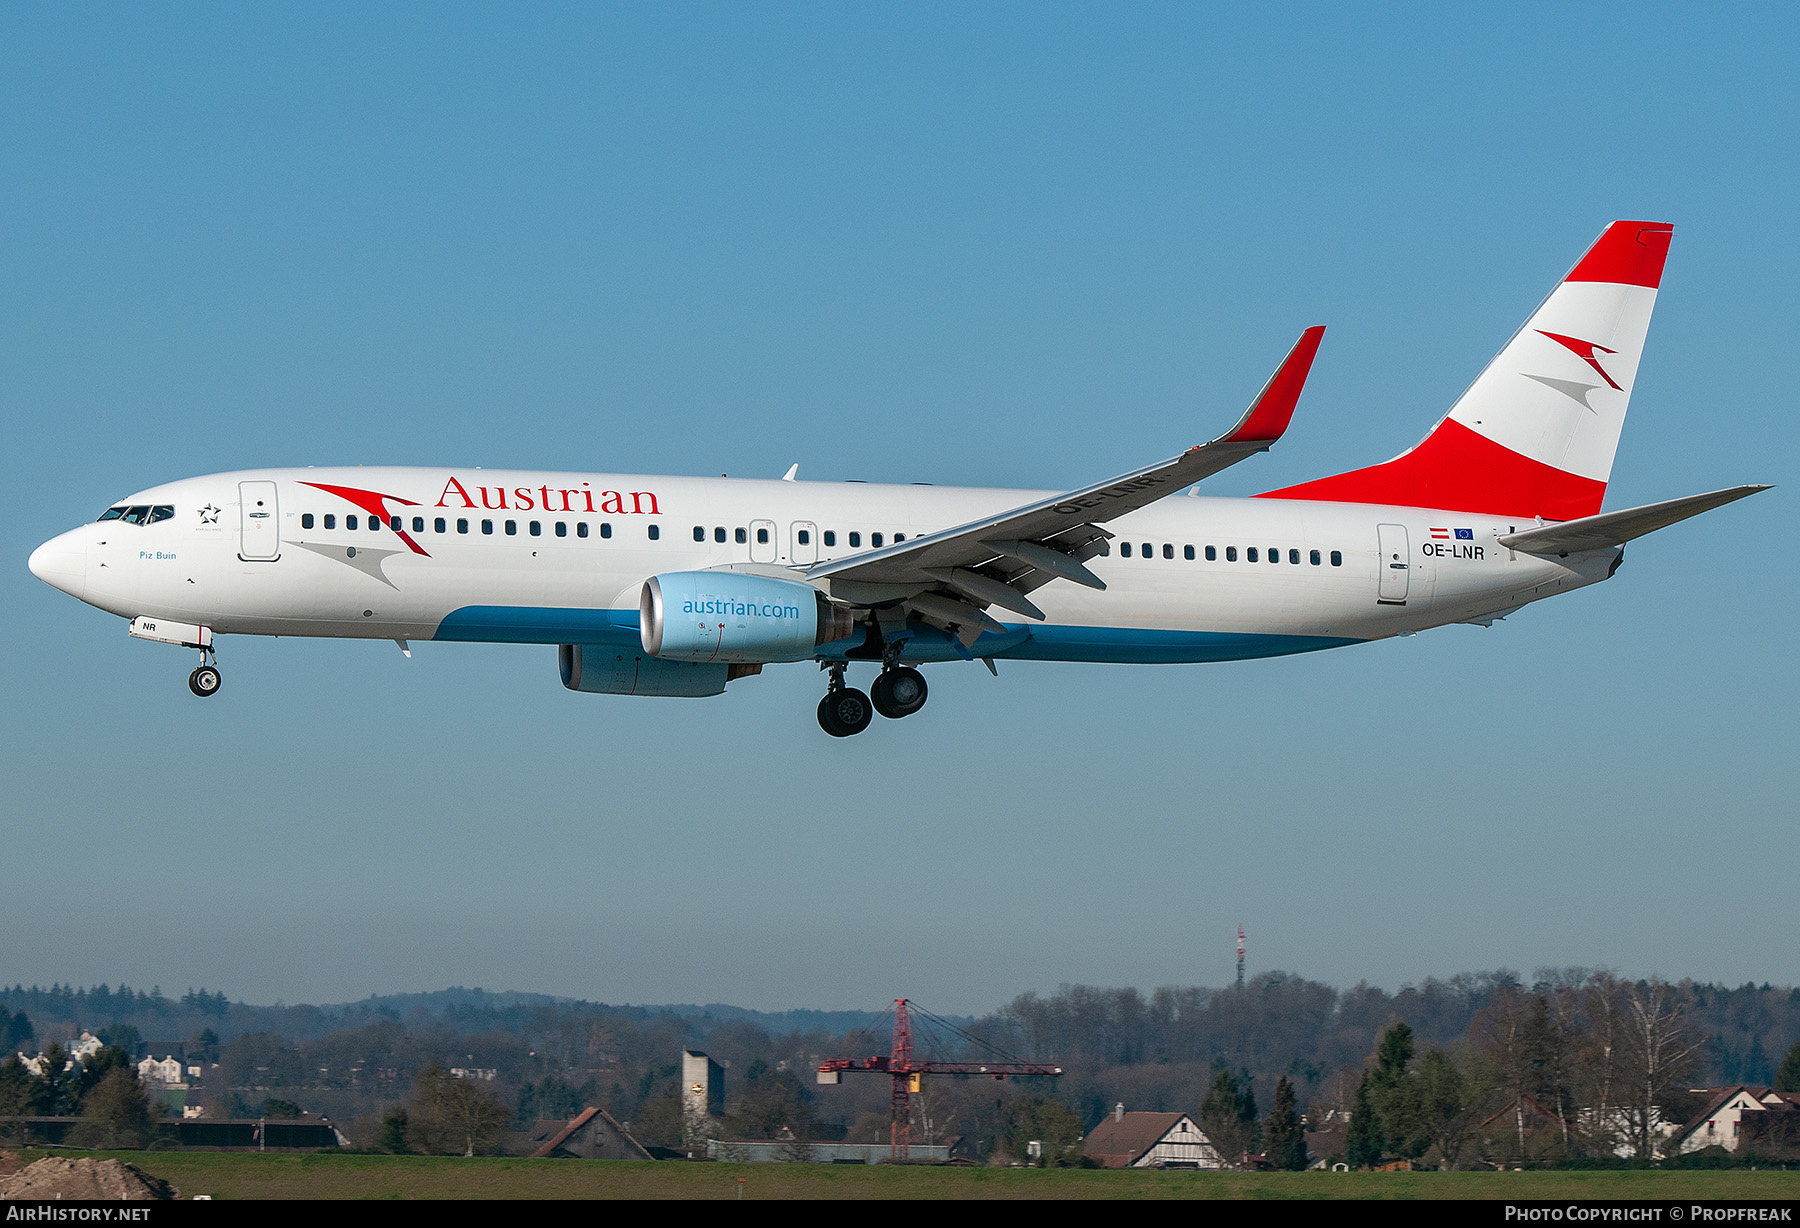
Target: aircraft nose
[[61, 562]]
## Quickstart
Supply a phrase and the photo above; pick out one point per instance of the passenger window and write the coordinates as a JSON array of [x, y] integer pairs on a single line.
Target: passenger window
[[562, 528], [1212, 554], [605, 529], [762, 537], [330, 521], [581, 528], [161, 512], [856, 540], [898, 538], [350, 522], [1124, 550], [805, 536], [512, 528], [1314, 558], [1231, 554], [374, 523], [462, 525], [1294, 557], [306, 520], [655, 532], [1274, 554], [699, 534], [830, 537], [875, 539], [418, 524], [1337, 558], [1168, 551], [437, 525], [537, 530], [719, 534], [487, 528], [1187, 552], [1250, 555], [742, 536], [1148, 553]]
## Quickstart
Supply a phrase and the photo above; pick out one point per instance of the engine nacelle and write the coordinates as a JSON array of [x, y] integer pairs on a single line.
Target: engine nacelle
[[733, 616], [606, 670]]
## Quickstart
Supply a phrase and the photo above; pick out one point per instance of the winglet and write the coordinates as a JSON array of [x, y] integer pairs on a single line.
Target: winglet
[[1269, 415]]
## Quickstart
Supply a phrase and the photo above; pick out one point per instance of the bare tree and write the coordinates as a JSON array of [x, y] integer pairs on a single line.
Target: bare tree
[[1660, 1051]]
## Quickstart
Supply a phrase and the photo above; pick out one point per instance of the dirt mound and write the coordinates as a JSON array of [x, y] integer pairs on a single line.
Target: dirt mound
[[85, 1178]]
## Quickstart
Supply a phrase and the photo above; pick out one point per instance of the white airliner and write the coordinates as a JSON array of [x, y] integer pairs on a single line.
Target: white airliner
[[677, 586]]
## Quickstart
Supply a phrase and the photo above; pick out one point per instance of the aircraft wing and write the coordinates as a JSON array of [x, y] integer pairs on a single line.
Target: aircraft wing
[[997, 560], [1617, 528]]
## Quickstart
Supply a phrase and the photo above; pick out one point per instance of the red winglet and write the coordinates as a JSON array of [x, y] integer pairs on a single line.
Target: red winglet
[[1269, 415], [1629, 253]]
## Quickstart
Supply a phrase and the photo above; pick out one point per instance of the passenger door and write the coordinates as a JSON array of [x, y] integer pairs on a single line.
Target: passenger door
[[1396, 569], [259, 527]]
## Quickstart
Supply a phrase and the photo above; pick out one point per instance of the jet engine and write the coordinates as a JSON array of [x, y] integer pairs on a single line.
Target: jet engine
[[609, 670], [733, 616]]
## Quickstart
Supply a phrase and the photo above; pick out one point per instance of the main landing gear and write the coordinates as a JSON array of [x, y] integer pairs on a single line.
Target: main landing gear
[[899, 691], [844, 710], [204, 681]]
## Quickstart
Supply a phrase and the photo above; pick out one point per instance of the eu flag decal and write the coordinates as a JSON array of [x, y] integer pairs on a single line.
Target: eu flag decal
[[1465, 535]]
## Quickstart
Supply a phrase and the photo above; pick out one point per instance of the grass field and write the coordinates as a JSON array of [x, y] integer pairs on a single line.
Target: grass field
[[238, 1175]]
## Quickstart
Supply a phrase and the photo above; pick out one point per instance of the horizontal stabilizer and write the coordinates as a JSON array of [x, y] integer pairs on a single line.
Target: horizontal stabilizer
[[1617, 528]]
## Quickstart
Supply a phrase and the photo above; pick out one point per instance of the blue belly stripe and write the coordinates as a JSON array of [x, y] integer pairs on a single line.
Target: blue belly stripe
[[518, 624], [527, 624]]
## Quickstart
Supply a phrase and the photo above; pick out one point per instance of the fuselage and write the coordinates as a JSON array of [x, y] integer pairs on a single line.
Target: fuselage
[[561, 558]]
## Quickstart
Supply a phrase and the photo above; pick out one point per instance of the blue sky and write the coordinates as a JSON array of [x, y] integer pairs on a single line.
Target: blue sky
[[1011, 245]]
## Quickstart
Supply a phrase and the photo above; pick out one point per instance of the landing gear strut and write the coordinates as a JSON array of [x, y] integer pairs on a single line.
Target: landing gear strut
[[844, 710], [204, 681], [898, 692]]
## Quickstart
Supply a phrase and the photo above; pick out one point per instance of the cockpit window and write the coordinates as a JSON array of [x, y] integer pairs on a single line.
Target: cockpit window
[[136, 515], [112, 513], [162, 511]]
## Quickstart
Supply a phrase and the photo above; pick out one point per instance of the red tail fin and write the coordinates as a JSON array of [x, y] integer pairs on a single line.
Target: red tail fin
[[1534, 435]]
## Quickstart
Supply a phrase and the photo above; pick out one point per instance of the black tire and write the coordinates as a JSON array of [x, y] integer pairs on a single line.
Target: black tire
[[842, 713], [899, 692], [204, 682]]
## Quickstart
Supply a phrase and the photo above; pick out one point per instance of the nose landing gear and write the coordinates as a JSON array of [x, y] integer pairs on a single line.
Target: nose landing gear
[[204, 681]]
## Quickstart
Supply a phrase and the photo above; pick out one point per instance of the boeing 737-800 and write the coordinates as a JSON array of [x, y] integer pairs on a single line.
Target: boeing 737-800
[[677, 586]]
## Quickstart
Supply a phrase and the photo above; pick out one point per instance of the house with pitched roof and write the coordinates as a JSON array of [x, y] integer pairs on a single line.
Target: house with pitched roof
[[1741, 1116], [1150, 1140]]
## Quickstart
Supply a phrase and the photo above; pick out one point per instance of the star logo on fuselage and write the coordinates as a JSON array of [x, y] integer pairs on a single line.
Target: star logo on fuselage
[[209, 514]]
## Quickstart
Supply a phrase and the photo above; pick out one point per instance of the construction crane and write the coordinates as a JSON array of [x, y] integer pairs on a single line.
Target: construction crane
[[908, 1075]]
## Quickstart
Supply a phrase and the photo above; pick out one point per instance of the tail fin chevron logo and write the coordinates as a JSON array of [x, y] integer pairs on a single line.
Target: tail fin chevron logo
[[1584, 350]]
